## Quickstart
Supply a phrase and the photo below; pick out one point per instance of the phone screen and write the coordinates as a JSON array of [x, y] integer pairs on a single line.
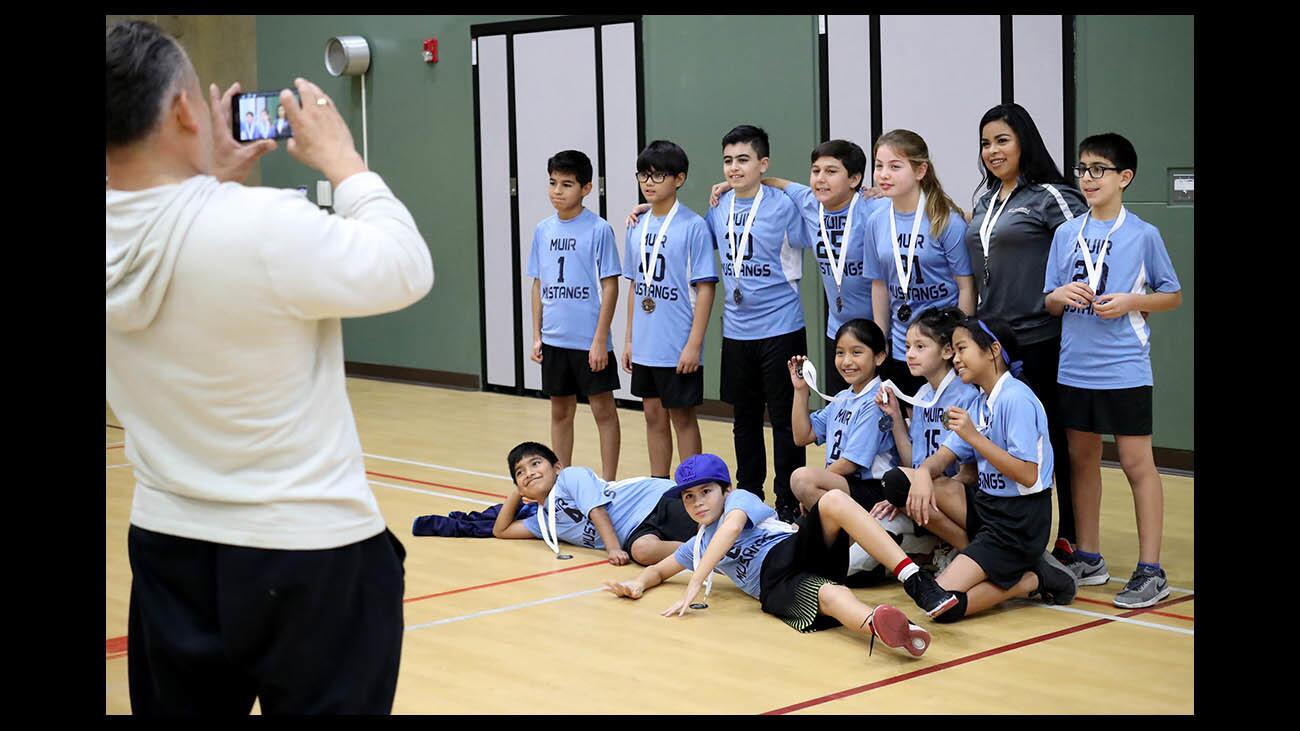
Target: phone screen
[[258, 115]]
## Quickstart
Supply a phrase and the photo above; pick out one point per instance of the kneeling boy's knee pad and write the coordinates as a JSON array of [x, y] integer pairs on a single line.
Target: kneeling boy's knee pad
[[896, 487], [957, 612]]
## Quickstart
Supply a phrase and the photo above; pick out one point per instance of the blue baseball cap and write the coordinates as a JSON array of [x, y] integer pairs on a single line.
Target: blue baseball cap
[[697, 470]]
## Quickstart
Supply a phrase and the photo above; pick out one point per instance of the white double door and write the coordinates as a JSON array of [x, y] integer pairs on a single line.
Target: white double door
[[539, 92]]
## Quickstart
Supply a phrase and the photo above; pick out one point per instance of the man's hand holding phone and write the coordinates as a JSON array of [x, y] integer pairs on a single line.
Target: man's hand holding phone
[[321, 139]]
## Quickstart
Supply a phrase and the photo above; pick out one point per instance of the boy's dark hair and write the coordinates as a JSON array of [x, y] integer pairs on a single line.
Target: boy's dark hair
[[867, 332], [755, 136], [141, 65], [528, 449], [1035, 161], [1002, 332], [1113, 147], [937, 323], [662, 156], [850, 155], [573, 162]]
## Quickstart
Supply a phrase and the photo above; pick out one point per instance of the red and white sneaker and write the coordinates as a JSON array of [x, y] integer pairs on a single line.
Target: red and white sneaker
[[893, 628]]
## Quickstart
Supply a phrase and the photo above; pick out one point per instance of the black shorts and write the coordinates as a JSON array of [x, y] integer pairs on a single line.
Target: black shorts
[[1119, 411], [896, 371], [669, 521], [796, 568], [674, 390], [1008, 534], [865, 492], [565, 372]]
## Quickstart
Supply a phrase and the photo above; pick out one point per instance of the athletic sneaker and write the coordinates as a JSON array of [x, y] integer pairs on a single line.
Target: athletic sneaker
[[1143, 589], [1056, 584], [1089, 574], [928, 595], [1063, 552], [893, 628], [787, 512]]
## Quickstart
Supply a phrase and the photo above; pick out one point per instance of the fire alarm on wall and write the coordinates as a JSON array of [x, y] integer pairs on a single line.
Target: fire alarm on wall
[[431, 50]]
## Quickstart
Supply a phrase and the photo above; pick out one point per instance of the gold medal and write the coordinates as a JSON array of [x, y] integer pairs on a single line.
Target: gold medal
[[648, 304]]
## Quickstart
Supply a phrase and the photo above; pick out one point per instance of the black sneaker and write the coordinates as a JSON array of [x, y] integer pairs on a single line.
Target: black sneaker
[[787, 512], [1056, 584], [928, 595], [1063, 552]]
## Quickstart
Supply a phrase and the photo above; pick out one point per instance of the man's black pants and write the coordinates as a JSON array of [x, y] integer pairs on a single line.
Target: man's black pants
[[214, 626]]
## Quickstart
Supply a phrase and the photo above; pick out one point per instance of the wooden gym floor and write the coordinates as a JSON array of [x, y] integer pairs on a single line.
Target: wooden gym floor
[[497, 626]]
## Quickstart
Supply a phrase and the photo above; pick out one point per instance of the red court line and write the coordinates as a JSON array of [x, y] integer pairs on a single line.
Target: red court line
[[435, 484], [115, 446], [1109, 604], [504, 581], [115, 647], [959, 661]]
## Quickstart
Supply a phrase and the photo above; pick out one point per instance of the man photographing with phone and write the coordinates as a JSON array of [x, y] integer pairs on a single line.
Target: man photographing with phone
[[261, 565]]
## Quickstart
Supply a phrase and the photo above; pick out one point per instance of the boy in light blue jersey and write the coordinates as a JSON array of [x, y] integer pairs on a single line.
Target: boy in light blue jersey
[[574, 265], [758, 231], [836, 223], [627, 519], [1002, 523], [1099, 269], [796, 576], [671, 282], [917, 246]]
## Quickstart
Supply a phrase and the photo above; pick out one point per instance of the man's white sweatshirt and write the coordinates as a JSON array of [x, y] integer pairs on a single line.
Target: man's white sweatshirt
[[224, 353]]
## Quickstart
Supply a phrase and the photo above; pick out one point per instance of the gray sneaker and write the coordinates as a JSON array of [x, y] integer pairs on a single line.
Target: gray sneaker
[[1143, 590], [1088, 574]]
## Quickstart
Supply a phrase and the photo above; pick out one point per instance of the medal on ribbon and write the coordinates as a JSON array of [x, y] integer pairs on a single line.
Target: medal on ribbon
[[738, 249]]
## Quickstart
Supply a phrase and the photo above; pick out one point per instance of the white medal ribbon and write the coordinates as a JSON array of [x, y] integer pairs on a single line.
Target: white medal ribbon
[[551, 538], [916, 402], [695, 563], [982, 421], [1094, 271], [905, 275], [810, 377], [809, 374], [738, 249], [837, 269], [991, 220], [646, 272], [771, 525]]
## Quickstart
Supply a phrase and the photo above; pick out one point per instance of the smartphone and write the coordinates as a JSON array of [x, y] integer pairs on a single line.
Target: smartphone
[[258, 115]]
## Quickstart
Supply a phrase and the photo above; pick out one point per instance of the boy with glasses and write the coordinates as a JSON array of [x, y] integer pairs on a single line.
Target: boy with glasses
[[672, 276], [1099, 269]]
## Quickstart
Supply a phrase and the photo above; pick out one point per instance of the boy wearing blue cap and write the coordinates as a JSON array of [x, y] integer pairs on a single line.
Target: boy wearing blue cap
[[797, 576]]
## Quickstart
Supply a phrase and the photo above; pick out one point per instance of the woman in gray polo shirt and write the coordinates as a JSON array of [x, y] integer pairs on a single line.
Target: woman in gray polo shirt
[[1022, 200]]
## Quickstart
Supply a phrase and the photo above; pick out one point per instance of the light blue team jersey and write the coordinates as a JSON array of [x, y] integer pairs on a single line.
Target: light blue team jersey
[[570, 258], [937, 265], [853, 427], [743, 564], [770, 271], [578, 490], [685, 257], [1017, 423], [1108, 354], [855, 286], [927, 430]]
